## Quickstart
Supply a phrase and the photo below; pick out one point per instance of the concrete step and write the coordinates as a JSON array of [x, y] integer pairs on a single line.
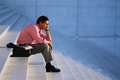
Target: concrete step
[[4, 52], [4, 27], [5, 17], [36, 68], [2, 7], [27, 22], [4, 11], [94, 73], [66, 72], [83, 72], [75, 71], [10, 36], [54, 76], [84, 53], [15, 69]]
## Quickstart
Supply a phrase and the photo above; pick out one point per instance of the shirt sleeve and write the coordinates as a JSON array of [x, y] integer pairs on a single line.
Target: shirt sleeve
[[34, 33], [44, 36]]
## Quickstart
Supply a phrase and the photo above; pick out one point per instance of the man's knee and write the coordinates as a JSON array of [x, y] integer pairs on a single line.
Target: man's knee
[[45, 45], [40, 47]]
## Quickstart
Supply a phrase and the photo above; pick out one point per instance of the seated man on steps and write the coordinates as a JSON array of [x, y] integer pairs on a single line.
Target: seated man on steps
[[33, 35]]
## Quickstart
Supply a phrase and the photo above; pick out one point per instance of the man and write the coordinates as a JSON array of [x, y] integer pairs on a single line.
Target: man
[[33, 35]]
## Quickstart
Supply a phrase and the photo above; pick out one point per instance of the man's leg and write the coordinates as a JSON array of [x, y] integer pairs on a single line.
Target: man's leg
[[45, 49]]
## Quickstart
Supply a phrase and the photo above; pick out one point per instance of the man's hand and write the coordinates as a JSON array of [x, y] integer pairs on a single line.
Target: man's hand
[[47, 28], [50, 44], [47, 33]]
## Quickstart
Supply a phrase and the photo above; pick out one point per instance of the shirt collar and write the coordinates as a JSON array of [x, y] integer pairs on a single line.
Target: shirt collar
[[37, 26]]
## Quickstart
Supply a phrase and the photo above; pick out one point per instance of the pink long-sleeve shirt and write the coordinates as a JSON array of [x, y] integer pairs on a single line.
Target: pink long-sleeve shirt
[[31, 34]]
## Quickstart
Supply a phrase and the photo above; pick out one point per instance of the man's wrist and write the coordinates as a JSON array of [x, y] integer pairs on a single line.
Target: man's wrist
[[46, 30]]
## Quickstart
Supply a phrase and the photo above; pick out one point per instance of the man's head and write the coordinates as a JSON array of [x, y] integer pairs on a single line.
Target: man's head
[[43, 22]]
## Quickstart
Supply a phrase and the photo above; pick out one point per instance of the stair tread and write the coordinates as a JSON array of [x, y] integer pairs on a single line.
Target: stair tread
[[36, 68], [5, 17], [8, 23], [80, 71], [95, 75], [76, 73], [66, 73], [8, 37], [54, 76], [2, 7], [15, 69], [4, 11]]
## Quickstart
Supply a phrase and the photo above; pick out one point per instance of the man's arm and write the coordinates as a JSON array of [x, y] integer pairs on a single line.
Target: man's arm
[[50, 44], [48, 35]]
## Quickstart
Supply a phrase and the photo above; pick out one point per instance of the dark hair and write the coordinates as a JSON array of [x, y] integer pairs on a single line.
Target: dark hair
[[42, 19]]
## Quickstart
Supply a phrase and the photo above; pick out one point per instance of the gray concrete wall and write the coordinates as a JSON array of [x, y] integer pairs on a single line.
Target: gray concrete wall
[[87, 17], [97, 21], [1, 2]]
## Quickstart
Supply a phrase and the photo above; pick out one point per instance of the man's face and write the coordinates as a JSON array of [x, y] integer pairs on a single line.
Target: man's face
[[44, 25]]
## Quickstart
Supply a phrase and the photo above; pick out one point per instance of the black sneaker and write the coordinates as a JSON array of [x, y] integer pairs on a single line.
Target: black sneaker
[[52, 69]]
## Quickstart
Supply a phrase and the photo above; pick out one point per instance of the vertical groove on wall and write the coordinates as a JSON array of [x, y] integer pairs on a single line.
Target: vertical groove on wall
[[77, 17], [115, 17], [24, 8], [35, 9], [115, 33]]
